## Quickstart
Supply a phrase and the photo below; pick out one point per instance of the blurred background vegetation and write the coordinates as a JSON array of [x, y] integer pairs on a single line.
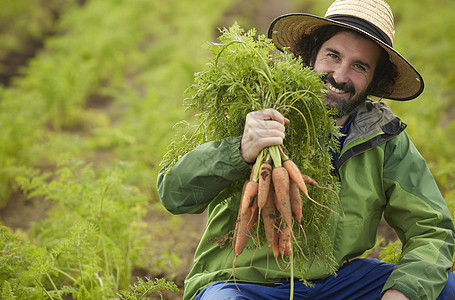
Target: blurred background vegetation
[[89, 92]]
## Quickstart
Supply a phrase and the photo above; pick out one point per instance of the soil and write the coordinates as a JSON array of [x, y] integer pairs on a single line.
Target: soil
[[182, 239], [15, 60]]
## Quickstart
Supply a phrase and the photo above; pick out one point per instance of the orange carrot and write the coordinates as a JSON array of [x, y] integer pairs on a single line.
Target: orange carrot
[[245, 217], [254, 215], [285, 241], [310, 181], [313, 182], [294, 174], [238, 216], [296, 200], [265, 176], [280, 179], [250, 193], [243, 232], [269, 217], [276, 245], [253, 220]]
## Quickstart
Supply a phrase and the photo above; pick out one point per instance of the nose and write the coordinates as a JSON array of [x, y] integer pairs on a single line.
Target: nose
[[340, 74]]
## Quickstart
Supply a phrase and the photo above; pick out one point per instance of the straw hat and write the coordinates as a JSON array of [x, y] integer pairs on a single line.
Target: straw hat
[[372, 18]]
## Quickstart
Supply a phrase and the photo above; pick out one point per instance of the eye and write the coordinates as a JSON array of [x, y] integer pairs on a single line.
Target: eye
[[333, 55], [360, 67]]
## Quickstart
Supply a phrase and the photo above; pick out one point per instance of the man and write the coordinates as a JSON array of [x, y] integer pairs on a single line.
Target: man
[[380, 171]]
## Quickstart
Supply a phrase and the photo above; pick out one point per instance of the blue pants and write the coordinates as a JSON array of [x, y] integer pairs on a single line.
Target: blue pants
[[358, 279]]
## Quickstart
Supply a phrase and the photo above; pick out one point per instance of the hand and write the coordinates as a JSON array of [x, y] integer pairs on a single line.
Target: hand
[[263, 128], [394, 295]]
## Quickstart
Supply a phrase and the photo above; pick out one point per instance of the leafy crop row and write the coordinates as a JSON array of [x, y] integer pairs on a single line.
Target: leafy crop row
[[24, 21], [91, 239], [105, 89]]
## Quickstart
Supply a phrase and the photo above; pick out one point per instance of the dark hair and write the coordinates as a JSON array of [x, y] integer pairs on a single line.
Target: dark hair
[[384, 74]]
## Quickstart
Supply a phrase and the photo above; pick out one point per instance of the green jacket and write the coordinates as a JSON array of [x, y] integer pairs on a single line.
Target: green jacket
[[381, 172]]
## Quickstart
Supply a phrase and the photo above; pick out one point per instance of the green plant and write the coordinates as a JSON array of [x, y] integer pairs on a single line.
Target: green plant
[[50, 110], [23, 267], [391, 253], [93, 235], [23, 21], [142, 289]]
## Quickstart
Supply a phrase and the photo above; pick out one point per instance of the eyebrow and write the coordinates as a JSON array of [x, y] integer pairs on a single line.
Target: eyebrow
[[360, 62]]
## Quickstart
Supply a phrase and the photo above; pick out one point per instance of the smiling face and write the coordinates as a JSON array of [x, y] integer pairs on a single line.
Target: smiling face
[[349, 61]]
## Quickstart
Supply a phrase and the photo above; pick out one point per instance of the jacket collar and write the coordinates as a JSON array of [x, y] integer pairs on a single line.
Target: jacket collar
[[374, 124], [369, 121]]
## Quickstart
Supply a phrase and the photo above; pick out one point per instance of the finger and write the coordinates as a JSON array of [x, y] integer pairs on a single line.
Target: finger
[[249, 150], [266, 132], [269, 141], [254, 134], [273, 125], [270, 114], [265, 124]]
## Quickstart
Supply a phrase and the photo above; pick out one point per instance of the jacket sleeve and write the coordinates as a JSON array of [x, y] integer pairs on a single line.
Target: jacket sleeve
[[199, 176], [421, 219]]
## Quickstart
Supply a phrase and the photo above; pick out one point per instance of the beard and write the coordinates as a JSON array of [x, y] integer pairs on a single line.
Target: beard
[[344, 106]]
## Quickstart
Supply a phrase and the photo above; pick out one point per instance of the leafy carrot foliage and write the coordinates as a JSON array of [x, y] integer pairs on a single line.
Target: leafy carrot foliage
[[247, 73]]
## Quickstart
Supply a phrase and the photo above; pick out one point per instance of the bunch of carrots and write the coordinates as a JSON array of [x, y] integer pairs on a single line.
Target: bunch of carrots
[[273, 192]]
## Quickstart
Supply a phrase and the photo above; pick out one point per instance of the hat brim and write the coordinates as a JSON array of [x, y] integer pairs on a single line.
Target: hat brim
[[286, 31]]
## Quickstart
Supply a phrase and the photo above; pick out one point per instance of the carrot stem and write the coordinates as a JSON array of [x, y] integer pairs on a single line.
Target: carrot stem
[[283, 155], [304, 119], [275, 155], [257, 165], [291, 296]]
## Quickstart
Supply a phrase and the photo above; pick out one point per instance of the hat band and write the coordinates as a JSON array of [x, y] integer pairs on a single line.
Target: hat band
[[362, 25]]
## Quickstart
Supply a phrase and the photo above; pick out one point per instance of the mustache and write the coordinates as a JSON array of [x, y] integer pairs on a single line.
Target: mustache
[[343, 86]]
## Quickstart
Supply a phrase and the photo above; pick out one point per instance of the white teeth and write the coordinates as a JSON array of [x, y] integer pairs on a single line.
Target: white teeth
[[336, 90]]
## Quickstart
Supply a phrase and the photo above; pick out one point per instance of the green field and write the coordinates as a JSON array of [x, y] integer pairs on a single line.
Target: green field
[[89, 93]]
